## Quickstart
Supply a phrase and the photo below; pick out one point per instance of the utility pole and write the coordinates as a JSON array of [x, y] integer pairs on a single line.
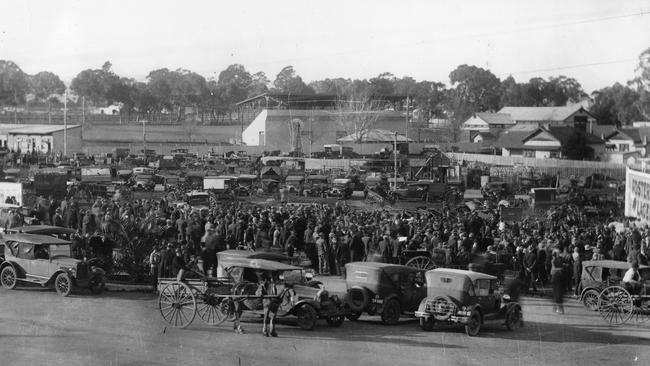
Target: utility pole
[[407, 119], [83, 110], [144, 140], [65, 123], [395, 163]]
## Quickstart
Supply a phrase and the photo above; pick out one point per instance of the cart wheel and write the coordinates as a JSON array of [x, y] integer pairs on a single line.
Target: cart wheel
[[641, 313], [590, 299], [177, 304], [421, 262], [210, 309], [615, 305]]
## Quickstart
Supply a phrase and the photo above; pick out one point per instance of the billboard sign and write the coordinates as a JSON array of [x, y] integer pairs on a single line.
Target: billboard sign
[[637, 195]]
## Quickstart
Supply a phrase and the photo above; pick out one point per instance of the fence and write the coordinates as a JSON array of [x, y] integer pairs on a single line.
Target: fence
[[565, 168]]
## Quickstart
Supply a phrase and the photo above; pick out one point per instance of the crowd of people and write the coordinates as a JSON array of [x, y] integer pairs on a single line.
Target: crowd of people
[[542, 250]]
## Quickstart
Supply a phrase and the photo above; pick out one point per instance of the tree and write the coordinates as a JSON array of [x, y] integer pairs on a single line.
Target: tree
[[642, 84], [338, 86], [259, 84], [383, 85], [99, 86], [431, 98], [177, 89], [616, 105], [44, 84], [287, 81], [13, 83], [358, 115], [576, 147], [474, 90]]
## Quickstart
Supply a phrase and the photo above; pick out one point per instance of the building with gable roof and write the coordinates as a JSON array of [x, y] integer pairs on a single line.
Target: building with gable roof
[[574, 116]]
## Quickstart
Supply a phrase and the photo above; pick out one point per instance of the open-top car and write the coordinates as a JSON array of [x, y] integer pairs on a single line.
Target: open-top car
[[47, 261], [383, 288], [466, 297]]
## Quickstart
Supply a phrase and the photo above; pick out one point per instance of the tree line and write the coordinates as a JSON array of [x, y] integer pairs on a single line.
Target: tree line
[[470, 89]]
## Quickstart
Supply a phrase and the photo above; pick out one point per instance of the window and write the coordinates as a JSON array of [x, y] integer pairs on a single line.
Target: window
[[25, 251], [483, 287], [624, 147], [528, 154]]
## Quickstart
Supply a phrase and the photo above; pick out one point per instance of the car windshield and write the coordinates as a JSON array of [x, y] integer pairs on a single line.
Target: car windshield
[[59, 250]]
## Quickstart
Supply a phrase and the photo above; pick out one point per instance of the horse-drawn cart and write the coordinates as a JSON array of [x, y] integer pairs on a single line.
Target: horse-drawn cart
[[216, 300]]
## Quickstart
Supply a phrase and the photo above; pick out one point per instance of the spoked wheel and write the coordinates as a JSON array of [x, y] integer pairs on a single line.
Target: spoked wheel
[[8, 278], [641, 313], [210, 309], [590, 300], [514, 318], [177, 304], [473, 326], [615, 305], [63, 284], [421, 262]]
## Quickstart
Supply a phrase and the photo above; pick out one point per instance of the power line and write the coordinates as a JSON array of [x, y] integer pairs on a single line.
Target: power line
[[569, 67]]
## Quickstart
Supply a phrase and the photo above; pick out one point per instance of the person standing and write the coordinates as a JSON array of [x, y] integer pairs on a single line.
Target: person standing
[[577, 271], [321, 247], [557, 280], [342, 257], [154, 263], [384, 249], [530, 267]]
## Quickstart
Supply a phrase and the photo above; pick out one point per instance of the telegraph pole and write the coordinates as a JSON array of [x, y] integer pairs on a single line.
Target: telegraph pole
[[407, 119], [83, 110], [65, 123], [144, 140], [395, 162]]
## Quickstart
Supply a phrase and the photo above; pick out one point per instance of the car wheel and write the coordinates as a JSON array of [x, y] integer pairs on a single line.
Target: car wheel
[[96, 284], [63, 284], [353, 316], [427, 324], [8, 277], [306, 317], [513, 318], [335, 321], [390, 315], [473, 325], [358, 299], [590, 300]]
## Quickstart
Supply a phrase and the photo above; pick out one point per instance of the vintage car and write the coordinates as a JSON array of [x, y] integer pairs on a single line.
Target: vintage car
[[246, 184], [198, 201], [466, 297], [496, 189], [423, 190], [54, 231], [45, 260], [383, 288], [311, 302], [342, 188], [294, 183], [597, 275], [315, 185]]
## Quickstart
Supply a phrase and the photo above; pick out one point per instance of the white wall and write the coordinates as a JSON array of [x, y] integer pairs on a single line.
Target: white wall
[[475, 123], [251, 135], [618, 143]]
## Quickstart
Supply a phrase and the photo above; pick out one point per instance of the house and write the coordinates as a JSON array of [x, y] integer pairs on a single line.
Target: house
[[478, 137], [487, 122], [543, 143], [574, 116], [374, 140], [42, 138], [112, 110]]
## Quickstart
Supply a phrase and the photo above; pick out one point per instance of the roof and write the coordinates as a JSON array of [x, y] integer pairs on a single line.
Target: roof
[[541, 113], [513, 139], [610, 264], [34, 239], [303, 101], [375, 135], [256, 263], [460, 272], [39, 129], [232, 253], [562, 133], [626, 133], [496, 118], [247, 176], [316, 176], [294, 177], [42, 229], [386, 267]]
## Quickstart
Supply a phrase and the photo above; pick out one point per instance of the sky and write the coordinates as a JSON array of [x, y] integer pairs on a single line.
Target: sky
[[597, 42]]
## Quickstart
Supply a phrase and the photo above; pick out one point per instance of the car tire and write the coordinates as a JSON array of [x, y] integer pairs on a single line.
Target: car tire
[[513, 318], [335, 321], [353, 316], [63, 284], [96, 284], [391, 312], [427, 324], [358, 299], [9, 278], [307, 317], [473, 326]]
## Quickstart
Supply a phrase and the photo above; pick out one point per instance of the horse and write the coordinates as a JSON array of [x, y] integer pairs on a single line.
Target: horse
[[263, 296]]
